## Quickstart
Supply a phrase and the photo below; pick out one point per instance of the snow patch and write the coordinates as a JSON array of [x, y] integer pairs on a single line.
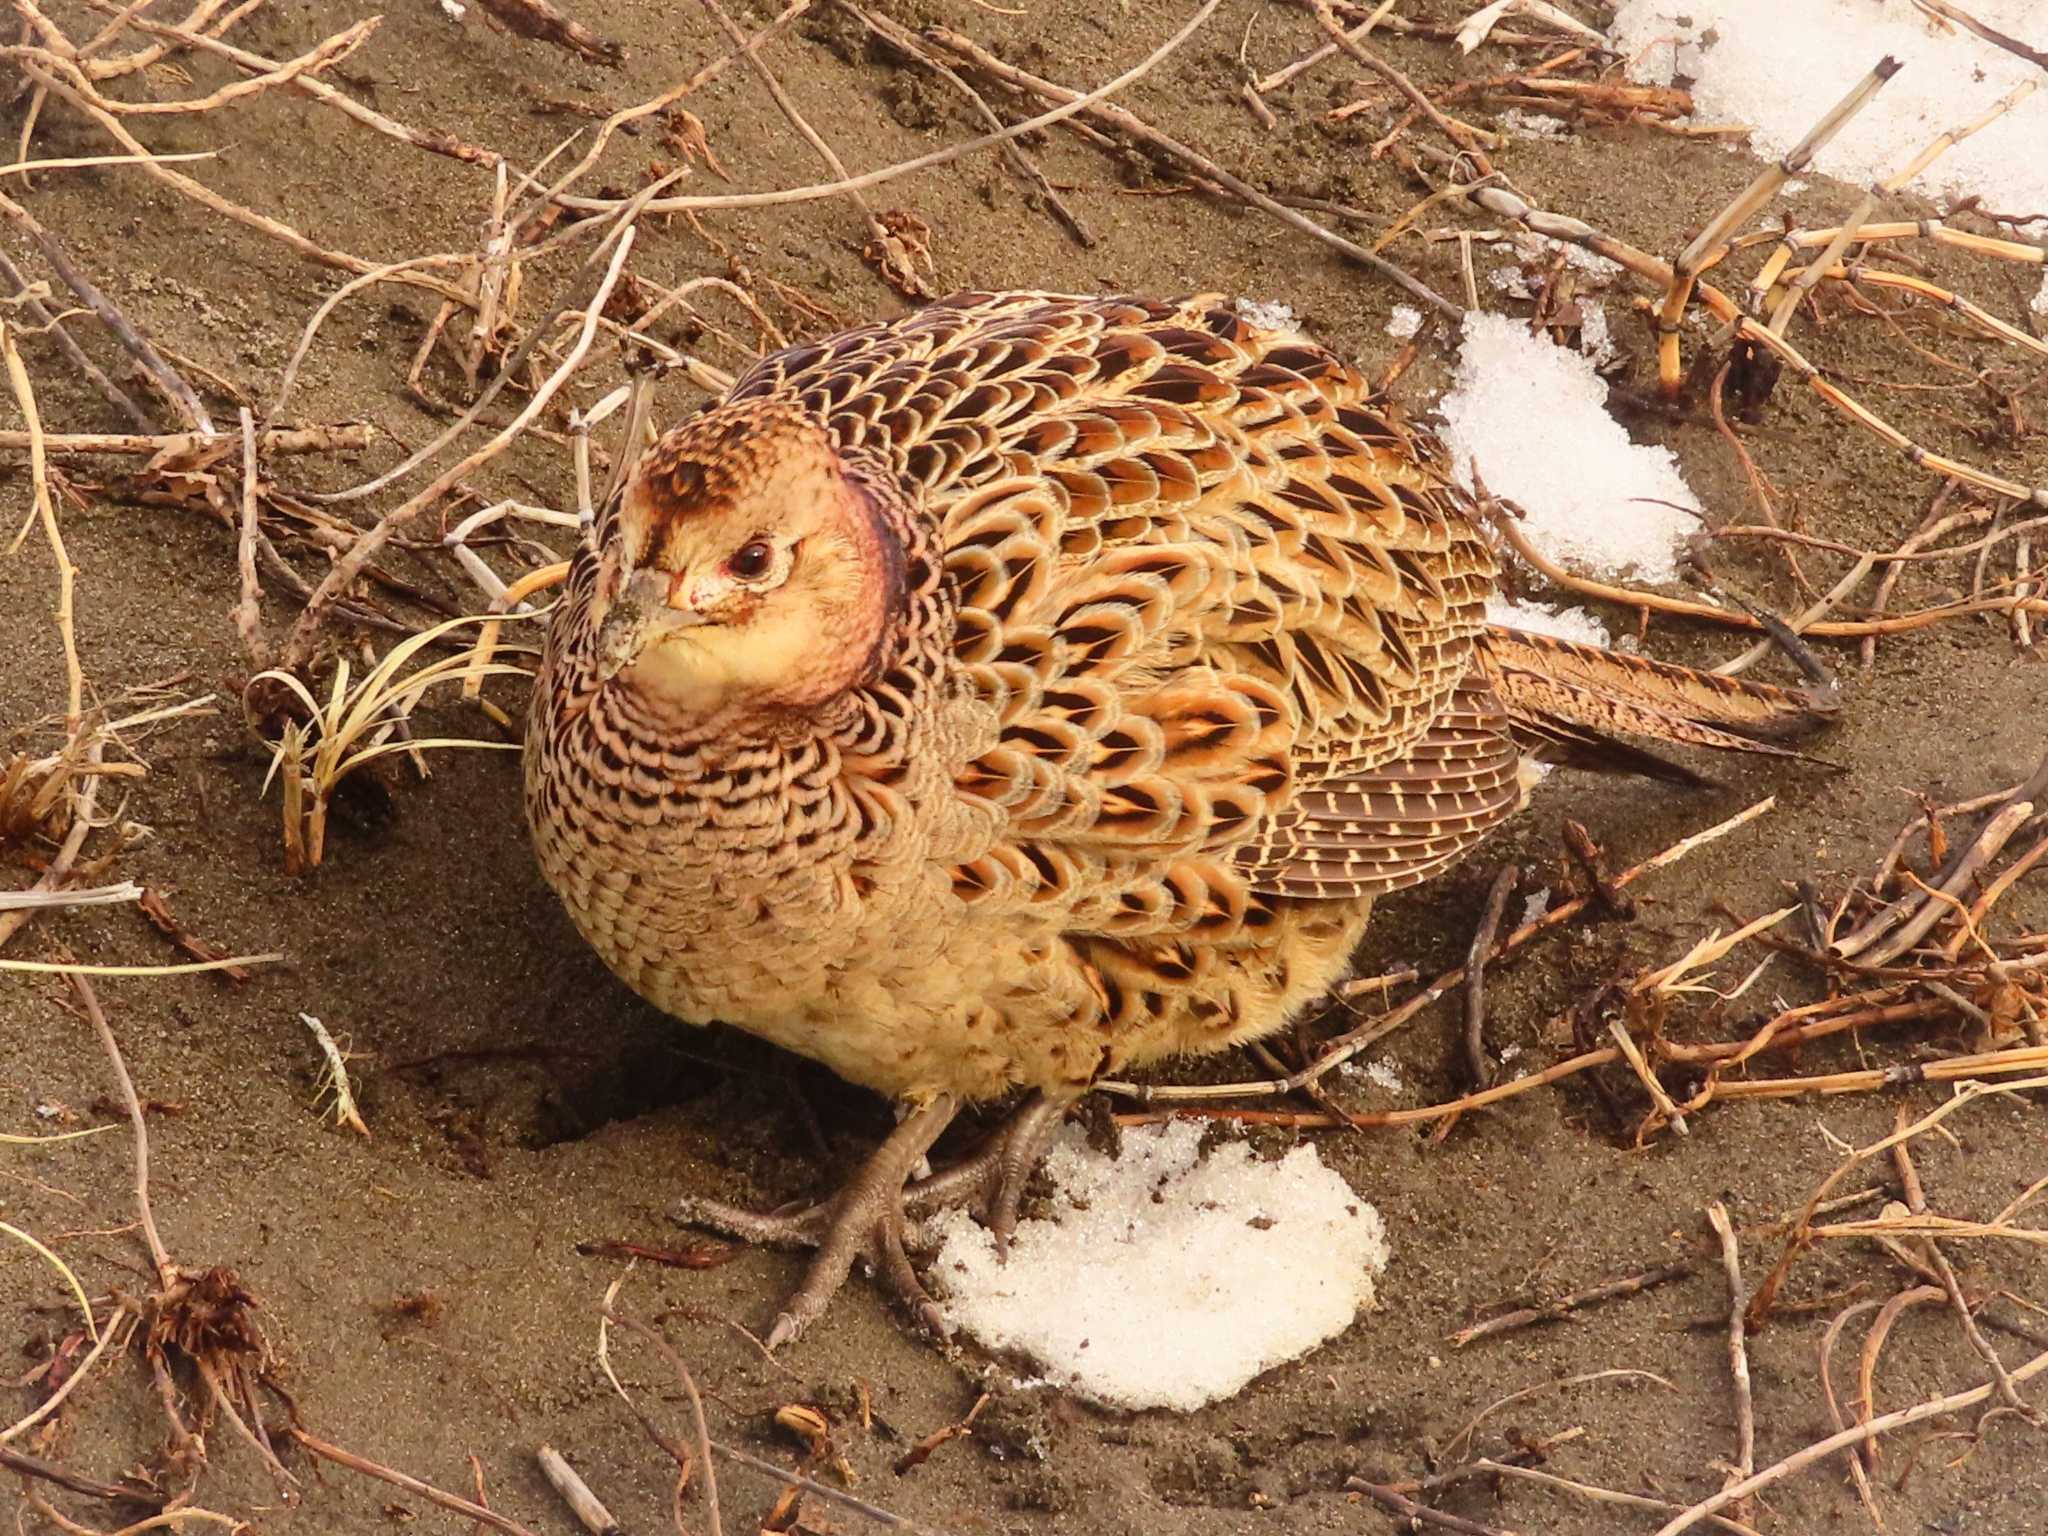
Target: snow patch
[[1535, 125], [1165, 1279], [1778, 67], [1534, 907], [1267, 314], [2040, 304], [1403, 321], [1531, 418], [1540, 619], [1538, 251], [1596, 339], [1383, 1074]]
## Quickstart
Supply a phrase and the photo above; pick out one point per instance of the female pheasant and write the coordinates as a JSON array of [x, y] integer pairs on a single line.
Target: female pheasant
[[1030, 688]]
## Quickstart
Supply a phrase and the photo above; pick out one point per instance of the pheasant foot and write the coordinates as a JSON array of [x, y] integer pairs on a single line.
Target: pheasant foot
[[867, 1218], [995, 1177]]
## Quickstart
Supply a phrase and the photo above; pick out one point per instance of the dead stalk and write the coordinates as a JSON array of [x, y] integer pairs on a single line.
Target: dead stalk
[[298, 648], [1738, 1348]]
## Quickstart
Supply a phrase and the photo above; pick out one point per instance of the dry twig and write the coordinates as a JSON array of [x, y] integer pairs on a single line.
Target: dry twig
[[1738, 1348]]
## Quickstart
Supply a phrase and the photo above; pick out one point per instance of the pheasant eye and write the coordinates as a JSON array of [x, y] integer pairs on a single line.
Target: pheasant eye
[[752, 560]]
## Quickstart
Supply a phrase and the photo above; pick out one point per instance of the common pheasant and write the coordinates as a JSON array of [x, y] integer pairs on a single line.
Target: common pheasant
[[1034, 687]]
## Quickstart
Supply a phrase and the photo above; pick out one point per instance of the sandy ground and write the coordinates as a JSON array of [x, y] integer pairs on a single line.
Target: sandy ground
[[522, 1102]]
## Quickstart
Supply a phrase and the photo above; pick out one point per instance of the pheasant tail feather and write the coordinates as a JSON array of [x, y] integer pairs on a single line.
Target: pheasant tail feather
[[1566, 703]]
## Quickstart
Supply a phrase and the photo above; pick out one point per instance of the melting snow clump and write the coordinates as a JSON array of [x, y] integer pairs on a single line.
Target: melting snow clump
[[1539, 251], [1384, 1074], [1165, 1279], [1267, 314], [1558, 623], [1404, 320], [1779, 67], [1531, 418], [1535, 125]]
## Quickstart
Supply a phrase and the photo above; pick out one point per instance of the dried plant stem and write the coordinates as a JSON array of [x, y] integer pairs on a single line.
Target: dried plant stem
[[205, 20], [1564, 1306], [248, 611], [611, 125], [936, 158], [1932, 526], [1800, 1233], [1990, 35], [1818, 610], [906, 42], [345, 1110], [206, 197], [333, 301], [1903, 924], [1954, 1069], [166, 1271], [52, 327], [661, 1345], [1712, 243], [1807, 280], [1309, 60], [1460, 1443], [878, 232], [1840, 629], [1633, 1055], [1738, 1347], [587, 1507], [1135, 127], [321, 91], [193, 968], [544, 22], [114, 1336], [411, 1485], [1486, 1466], [298, 648], [1556, 226], [325, 55], [1476, 956], [1458, 133], [122, 1493], [1878, 427], [1418, 1515], [1736, 324], [67, 573], [1820, 1450], [133, 341], [341, 437], [1916, 1204], [59, 867]]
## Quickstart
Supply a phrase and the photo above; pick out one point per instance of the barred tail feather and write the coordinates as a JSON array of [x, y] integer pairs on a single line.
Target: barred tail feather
[[1566, 703]]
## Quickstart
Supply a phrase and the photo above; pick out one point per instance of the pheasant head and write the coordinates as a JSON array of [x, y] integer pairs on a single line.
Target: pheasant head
[[751, 567]]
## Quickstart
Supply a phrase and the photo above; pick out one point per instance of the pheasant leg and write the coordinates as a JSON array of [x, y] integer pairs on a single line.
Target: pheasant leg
[[867, 1218], [864, 1220], [995, 1177]]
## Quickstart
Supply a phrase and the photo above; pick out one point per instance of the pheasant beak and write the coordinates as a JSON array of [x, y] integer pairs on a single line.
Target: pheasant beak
[[644, 610]]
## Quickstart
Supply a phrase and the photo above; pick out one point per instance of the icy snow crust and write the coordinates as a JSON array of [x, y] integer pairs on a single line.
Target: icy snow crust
[[1166, 1279], [1531, 418], [1778, 67]]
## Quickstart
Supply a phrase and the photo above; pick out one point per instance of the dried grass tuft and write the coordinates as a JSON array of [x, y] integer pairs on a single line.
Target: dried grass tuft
[[357, 725]]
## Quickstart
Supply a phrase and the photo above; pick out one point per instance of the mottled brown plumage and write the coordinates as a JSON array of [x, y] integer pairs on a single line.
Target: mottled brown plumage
[[1033, 687]]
